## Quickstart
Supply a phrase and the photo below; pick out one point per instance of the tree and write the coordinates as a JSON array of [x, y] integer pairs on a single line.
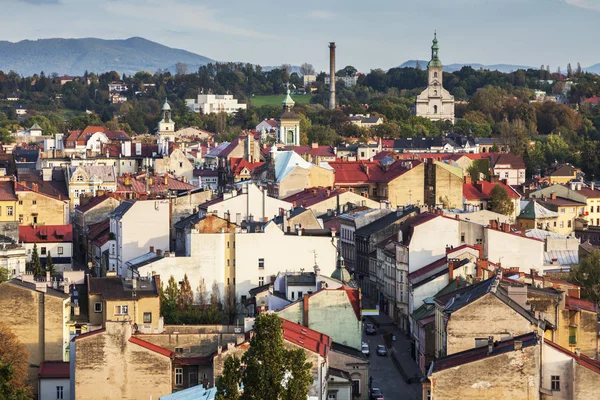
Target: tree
[[181, 68], [500, 202], [265, 360], [230, 304], [307, 69], [185, 297], [578, 70], [298, 377], [35, 266], [569, 70], [587, 275], [228, 383], [168, 302], [418, 66], [201, 296], [4, 274], [287, 68], [49, 264], [13, 366]]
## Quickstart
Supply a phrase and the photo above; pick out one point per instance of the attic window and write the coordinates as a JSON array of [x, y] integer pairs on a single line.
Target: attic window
[[79, 178]]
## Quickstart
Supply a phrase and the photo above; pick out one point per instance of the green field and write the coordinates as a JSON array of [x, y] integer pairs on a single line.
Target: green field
[[275, 100]]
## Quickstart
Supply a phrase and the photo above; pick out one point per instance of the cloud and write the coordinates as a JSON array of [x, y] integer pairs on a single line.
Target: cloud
[[321, 14], [187, 16], [587, 4], [41, 2]]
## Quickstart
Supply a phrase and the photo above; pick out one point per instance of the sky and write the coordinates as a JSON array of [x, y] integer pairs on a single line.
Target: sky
[[368, 34]]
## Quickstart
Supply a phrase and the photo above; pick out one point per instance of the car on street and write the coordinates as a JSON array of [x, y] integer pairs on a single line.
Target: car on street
[[365, 349], [381, 350], [376, 394], [370, 329]]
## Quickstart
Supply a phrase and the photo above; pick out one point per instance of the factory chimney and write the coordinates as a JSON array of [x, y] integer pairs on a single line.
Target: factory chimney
[[331, 75]]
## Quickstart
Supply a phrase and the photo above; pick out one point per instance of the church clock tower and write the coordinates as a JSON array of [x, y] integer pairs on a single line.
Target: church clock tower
[[435, 102], [288, 131], [166, 130]]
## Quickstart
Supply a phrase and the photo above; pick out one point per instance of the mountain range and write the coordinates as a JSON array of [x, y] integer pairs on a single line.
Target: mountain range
[[75, 56]]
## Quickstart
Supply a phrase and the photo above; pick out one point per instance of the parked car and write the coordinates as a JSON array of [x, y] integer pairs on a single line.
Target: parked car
[[376, 394], [381, 350], [370, 329], [365, 349]]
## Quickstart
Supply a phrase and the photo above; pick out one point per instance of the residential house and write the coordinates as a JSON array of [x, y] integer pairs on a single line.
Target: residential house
[[136, 300], [560, 251], [536, 216], [252, 203], [93, 357], [477, 195], [326, 201], [443, 184], [314, 153], [54, 241], [241, 170], [399, 182], [92, 211], [207, 179], [296, 219], [508, 166], [214, 103], [356, 367], [568, 211], [176, 164], [54, 380], [8, 202], [577, 192], [98, 246], [146, 185], [117, 86], [492, 145], [137, 226], [90, 179], [365, 121], [561, 174], [38, 315], [268, 125], [287, 173]]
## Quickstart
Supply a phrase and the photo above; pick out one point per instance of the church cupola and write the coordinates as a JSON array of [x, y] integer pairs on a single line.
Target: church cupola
[[288, 102], [435, 60], [166, 130], [289, 123], [166, 110]]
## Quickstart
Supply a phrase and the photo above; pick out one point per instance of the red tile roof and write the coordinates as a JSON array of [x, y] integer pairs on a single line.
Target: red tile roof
[[507, 159], [7, 191], [575, 304], [152, 347], [351, 173], [312, 196], [307, 338], [97, 230], [54, 370], [237, 165], [428, 268], [46, 233], [482, 190], [354, 297]]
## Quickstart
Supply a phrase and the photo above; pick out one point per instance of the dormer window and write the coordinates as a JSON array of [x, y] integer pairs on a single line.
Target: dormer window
[[79, 178]]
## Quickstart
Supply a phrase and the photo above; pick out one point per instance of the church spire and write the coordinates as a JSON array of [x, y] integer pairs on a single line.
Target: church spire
[[435, 61]]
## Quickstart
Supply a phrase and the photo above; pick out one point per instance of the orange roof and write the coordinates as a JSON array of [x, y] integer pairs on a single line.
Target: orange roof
[[482, 190], [357, 172], [238, 164], [152, 347], [307, 338]]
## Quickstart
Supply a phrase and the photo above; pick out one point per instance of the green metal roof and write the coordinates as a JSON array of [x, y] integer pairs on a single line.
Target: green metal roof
[[288, 101], [535, 210]]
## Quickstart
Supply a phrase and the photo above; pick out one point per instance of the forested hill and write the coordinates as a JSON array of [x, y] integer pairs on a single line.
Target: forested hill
[[75, 56]]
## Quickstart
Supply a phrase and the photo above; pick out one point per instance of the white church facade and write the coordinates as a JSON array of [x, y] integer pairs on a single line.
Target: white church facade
[[435, 102]]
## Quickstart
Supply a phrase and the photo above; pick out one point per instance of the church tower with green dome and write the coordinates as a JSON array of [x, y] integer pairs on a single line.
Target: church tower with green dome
[[435, 102], [288, 131], [166, 130]]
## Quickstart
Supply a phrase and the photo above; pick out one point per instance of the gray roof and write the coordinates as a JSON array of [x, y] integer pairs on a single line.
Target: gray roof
[[31, 286], [300, 280], [115, 288], [122, 209], [384, 221]]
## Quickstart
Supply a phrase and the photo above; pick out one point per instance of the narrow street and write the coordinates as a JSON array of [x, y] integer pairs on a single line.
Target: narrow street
[[385, 375]]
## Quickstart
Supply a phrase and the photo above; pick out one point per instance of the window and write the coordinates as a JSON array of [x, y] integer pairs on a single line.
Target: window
[[478, 241], [435, 74], [569, 224], [355, 387], [562, 224], [292, 293], [572, 209], [147, 317], [179, 350], [428, 396], [555, 382], [34, 202], [261, 263], [35, 219], [331, 396], [9, 211], [462, 237], [180, 165], [572, 335], [300, 295], [243, 299], [98, 307], [59, 393], [261, 280], [562, 210], [20, 218], [228, 263], [435, 109], [20, 202], [43, 251], [192, 378], [121, 310], [227, 244], [178, 376], [506, 174], [597, 208], [79, 178], [60, 250]]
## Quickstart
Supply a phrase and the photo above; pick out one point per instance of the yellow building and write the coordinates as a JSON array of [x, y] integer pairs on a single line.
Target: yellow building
[[563, 174], [567, 210], [115, 299], [8, 201], [38, 208], [536, 216]]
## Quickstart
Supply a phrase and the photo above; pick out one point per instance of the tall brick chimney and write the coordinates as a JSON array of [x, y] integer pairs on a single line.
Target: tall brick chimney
[[331, 75]]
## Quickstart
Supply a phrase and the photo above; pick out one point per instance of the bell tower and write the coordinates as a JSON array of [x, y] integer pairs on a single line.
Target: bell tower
[[289, 123], [166, 130]]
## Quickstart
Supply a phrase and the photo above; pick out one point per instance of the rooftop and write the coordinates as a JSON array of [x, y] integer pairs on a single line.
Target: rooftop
[[54, 370], [45, 233], [116, 288]]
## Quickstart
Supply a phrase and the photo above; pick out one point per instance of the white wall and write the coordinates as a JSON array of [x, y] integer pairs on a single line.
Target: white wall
[[50, 247], [48, 389], [250, 204], [557, 363], [512, 250], [281, 253], [145, 224], [429, 241]]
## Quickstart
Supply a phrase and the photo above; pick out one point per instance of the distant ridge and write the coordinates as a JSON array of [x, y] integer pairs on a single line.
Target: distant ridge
[[75, 56], [457, 67]]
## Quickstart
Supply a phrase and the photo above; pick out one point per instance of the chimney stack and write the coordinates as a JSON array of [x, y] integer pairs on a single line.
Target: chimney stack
[[331, 75]]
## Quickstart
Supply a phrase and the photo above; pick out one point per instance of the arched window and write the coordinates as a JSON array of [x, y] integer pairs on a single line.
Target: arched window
[[435, 109], [435, 74], [435, 92]]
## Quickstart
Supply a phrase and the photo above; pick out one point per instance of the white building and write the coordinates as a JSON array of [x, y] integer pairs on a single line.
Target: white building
[[348, 81], [214, 103], [117, 86], [137, 227], [13, 257], [55, 241], [435, 102], [54, 381], [241, 205]]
